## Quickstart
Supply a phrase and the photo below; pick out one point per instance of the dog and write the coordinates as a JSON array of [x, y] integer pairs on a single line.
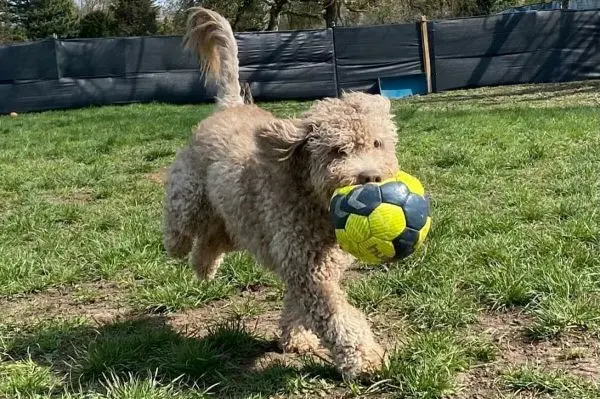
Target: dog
[[250, 181]]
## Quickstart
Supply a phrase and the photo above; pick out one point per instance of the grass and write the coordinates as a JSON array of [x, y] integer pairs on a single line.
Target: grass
[[96, 310], [555, 383]]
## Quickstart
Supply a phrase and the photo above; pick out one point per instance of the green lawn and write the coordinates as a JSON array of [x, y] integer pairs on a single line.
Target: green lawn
[[503, 301]]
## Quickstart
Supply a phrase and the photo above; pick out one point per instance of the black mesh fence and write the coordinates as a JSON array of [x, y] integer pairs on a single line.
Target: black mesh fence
[[535, 47], [522, 47]]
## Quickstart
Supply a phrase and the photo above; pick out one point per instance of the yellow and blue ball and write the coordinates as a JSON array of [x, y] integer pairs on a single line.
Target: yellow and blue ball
[[381, 222]]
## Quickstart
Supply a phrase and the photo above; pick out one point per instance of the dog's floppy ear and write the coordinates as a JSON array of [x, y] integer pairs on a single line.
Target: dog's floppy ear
[[279, 139]]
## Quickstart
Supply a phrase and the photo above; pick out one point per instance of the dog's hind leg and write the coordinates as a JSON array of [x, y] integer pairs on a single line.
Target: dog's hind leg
[[182, 205], [209, 249]]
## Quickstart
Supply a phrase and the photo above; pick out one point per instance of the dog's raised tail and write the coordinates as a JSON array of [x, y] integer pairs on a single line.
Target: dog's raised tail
[[210, 37]]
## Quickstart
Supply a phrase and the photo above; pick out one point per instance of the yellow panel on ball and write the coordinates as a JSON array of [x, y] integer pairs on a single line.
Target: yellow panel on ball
[[357, 228], [424, 232], [343, 190], [346, 243], [387, 221], [365, 256], [375, 250], [413, 184]]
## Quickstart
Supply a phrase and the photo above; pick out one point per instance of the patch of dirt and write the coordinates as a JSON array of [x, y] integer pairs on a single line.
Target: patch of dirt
[[157, 177], [76, 197], [102, 301], [576, 354], [389, 328], [255, 308]]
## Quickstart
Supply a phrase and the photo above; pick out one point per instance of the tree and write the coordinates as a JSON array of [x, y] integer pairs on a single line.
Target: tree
[[244, 15], [300, 14], [10, 30], [40, 19], [134, 17], [276, 8], [87, 6], [97, 24]]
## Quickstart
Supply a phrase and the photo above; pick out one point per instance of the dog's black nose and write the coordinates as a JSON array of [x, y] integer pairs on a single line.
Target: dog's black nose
[[369, 176]]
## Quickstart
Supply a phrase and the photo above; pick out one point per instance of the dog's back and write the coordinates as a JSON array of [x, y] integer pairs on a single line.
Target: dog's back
[[230, 133]]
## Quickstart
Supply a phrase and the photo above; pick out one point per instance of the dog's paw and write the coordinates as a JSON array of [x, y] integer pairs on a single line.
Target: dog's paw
[[364, 363], [374, 359], [206, 275], [301, 342]]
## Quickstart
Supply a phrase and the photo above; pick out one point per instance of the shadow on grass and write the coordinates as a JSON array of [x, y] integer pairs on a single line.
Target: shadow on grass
[[224, 359]]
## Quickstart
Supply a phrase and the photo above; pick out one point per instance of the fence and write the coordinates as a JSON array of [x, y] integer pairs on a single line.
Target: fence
[[544, 46]]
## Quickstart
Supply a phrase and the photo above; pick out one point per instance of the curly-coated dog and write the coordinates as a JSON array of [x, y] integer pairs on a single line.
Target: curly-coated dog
[[251, 181]]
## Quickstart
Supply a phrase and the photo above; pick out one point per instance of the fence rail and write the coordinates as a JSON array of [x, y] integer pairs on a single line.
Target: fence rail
[[543, 46]]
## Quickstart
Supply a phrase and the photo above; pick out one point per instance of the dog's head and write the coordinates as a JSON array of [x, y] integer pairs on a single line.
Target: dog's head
[[337, 142]]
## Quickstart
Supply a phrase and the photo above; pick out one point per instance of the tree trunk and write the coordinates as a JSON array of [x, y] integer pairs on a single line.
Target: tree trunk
[[242, 9], [275, 14], [331, 12]]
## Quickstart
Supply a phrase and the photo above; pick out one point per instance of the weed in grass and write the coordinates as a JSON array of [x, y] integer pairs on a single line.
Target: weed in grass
[[240, 270], [426, 365], [25, 379], [557, 314], [280, 378], [369, 294], [45, 339], [568, 354], [246, 309], [85, 295], [556, 383], [439, 306], [176, 288], [116, 387], [479, 350]]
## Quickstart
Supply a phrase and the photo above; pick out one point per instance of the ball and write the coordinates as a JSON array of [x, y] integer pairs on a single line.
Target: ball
[[14, 114], [381, 222]]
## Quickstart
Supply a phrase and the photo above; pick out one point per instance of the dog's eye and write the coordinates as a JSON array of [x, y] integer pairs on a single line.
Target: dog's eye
[[378, 144]]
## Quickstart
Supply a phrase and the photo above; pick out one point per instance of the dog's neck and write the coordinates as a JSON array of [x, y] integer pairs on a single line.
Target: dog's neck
[[296, 171]]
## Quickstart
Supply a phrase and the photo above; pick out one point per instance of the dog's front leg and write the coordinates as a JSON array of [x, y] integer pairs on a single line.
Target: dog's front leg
[[339, 325], [295, 335]]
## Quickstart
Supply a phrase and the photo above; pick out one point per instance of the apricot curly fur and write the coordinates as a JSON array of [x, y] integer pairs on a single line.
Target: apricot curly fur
[[248, 180]]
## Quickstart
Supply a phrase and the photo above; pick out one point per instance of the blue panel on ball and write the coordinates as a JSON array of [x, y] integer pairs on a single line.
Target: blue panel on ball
[[336, 214], [362, 200], [404, 244], [394, 193], [416, 211]]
